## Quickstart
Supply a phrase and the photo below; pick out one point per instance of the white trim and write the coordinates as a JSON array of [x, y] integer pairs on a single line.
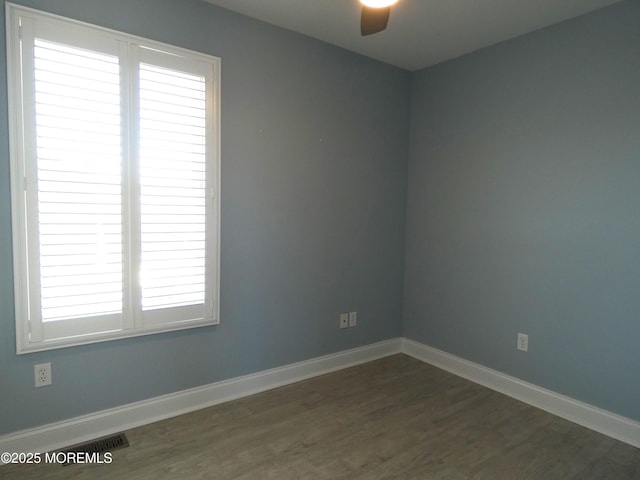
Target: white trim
[[80, 429], [594, 418]]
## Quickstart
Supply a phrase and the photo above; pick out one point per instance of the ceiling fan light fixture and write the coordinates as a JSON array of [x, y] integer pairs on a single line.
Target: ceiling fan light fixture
[[374, 16], [378, 3]]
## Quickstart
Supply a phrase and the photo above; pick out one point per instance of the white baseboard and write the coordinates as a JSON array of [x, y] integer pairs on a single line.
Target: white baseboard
[[602, 421], [81, 429]]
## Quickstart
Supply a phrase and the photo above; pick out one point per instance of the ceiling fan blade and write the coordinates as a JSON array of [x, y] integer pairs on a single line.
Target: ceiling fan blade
[[373, 20]]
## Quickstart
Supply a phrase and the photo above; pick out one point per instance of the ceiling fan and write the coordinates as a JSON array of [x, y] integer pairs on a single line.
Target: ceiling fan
[[375, 15]]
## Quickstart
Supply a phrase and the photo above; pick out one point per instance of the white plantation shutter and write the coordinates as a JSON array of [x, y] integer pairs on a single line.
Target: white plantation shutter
[[114, 163], [79, 177], [172, 187]]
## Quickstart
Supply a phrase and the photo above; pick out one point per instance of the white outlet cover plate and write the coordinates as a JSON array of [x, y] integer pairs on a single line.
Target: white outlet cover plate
[[523, 342], [42, 374]]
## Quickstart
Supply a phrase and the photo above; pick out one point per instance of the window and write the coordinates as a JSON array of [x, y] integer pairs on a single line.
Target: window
[[114, 177]]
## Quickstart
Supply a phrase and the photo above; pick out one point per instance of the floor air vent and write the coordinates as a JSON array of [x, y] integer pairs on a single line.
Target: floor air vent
[[99, 446]]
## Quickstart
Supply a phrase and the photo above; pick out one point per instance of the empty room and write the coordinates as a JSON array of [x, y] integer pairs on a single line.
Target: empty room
[[320, 239]]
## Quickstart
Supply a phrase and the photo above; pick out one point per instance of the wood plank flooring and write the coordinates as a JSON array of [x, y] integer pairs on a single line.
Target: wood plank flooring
[[395, 418]]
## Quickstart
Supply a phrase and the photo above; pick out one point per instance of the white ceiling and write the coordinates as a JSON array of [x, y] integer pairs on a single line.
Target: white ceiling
[[420, 32]]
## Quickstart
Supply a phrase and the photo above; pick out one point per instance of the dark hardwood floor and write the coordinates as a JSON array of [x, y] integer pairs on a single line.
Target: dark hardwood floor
[[395, 418]]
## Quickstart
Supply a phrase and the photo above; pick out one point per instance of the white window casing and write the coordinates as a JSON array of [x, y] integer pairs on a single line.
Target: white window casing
[[114, 156]]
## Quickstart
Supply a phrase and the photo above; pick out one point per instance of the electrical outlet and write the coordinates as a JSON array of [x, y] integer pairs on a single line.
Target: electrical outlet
[[523, 342], [344, 320], [42, 373], [353, 319]]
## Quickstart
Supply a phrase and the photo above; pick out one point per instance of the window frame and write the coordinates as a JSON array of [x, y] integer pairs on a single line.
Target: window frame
[[133, 324]]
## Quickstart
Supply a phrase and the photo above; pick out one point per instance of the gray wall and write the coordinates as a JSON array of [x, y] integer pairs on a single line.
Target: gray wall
[[314, 158], [524, 208]]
